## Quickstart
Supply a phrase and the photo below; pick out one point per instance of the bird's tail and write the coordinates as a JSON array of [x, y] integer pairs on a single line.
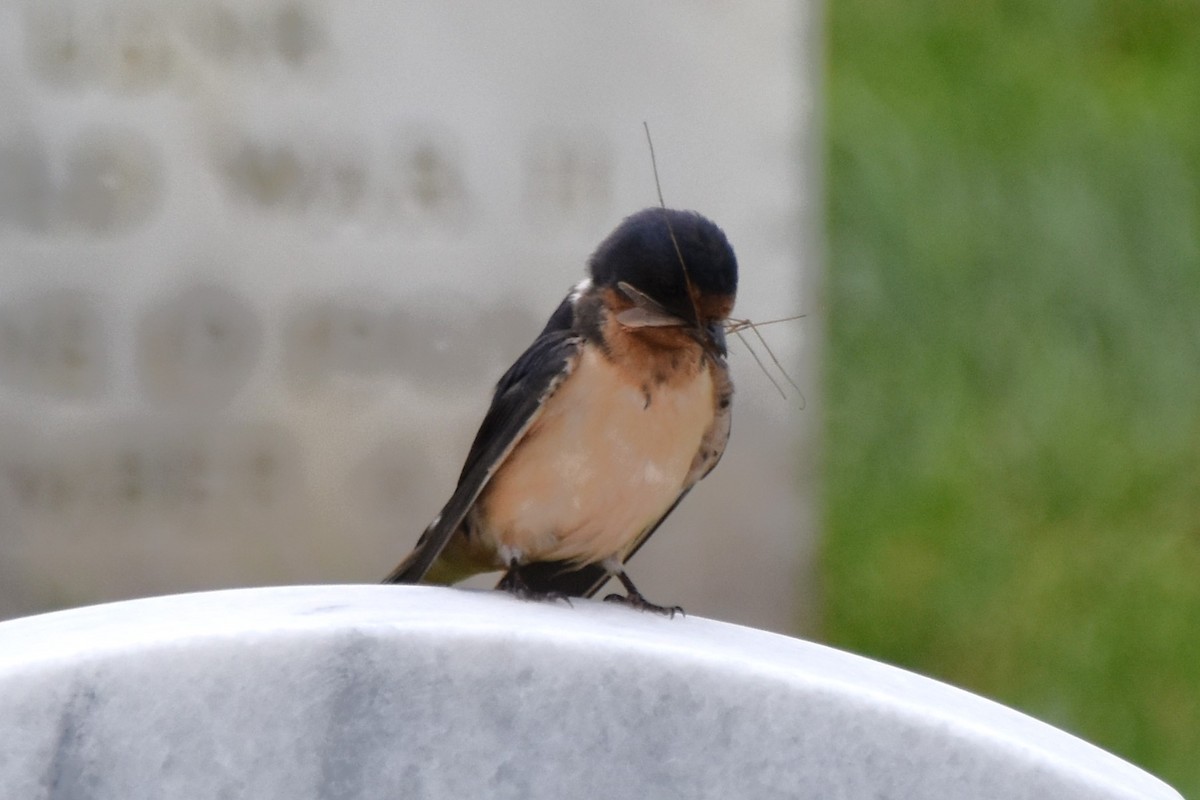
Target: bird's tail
[[443, 568], [406, 570]]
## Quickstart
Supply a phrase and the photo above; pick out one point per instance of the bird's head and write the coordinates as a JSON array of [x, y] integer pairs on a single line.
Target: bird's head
[[669, 268]]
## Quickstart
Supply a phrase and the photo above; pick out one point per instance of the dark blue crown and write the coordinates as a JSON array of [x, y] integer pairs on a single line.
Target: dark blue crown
[[641, 253]]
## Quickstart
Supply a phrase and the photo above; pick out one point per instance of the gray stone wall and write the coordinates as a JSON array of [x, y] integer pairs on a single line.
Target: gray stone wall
[[260, 264]]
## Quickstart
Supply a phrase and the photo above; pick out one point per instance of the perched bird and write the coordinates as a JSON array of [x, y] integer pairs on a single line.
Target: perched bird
[[600, 428]]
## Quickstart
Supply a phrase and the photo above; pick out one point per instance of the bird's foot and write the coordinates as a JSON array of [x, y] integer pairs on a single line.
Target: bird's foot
[[512, 583], [635, 600]]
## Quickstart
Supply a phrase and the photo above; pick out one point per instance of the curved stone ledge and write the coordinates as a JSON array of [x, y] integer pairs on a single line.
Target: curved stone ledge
[[399, 692]]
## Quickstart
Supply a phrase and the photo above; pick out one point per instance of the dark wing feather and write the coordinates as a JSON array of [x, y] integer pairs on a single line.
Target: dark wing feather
[[547, 359], [518, 400]]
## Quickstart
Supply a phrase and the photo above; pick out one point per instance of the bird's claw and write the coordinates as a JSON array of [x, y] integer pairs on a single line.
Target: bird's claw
[[635, 600]]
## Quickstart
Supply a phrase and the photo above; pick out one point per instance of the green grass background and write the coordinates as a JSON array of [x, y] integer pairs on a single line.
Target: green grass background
[[1013, 374]]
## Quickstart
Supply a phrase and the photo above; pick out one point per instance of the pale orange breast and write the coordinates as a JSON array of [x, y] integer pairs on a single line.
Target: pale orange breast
[[599, 466]]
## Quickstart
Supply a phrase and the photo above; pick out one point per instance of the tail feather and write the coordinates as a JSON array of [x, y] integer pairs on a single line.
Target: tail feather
[[405, 571], [446, 567]]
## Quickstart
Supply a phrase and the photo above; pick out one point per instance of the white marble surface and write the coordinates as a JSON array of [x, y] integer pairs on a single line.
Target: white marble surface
[[373, 691]]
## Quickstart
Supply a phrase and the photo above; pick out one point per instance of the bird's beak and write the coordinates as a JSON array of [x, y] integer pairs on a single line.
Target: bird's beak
[[711, 337]]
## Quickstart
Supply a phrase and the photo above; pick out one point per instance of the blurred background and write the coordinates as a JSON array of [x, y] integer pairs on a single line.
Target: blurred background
[[1012, 466], [262, 261]]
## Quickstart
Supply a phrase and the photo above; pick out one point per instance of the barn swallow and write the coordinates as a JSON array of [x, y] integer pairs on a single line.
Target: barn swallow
[[597, 432]]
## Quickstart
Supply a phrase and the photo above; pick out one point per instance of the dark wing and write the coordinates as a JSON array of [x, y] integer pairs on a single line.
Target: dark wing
[[528, 383], [516, 404], [585, 581]]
